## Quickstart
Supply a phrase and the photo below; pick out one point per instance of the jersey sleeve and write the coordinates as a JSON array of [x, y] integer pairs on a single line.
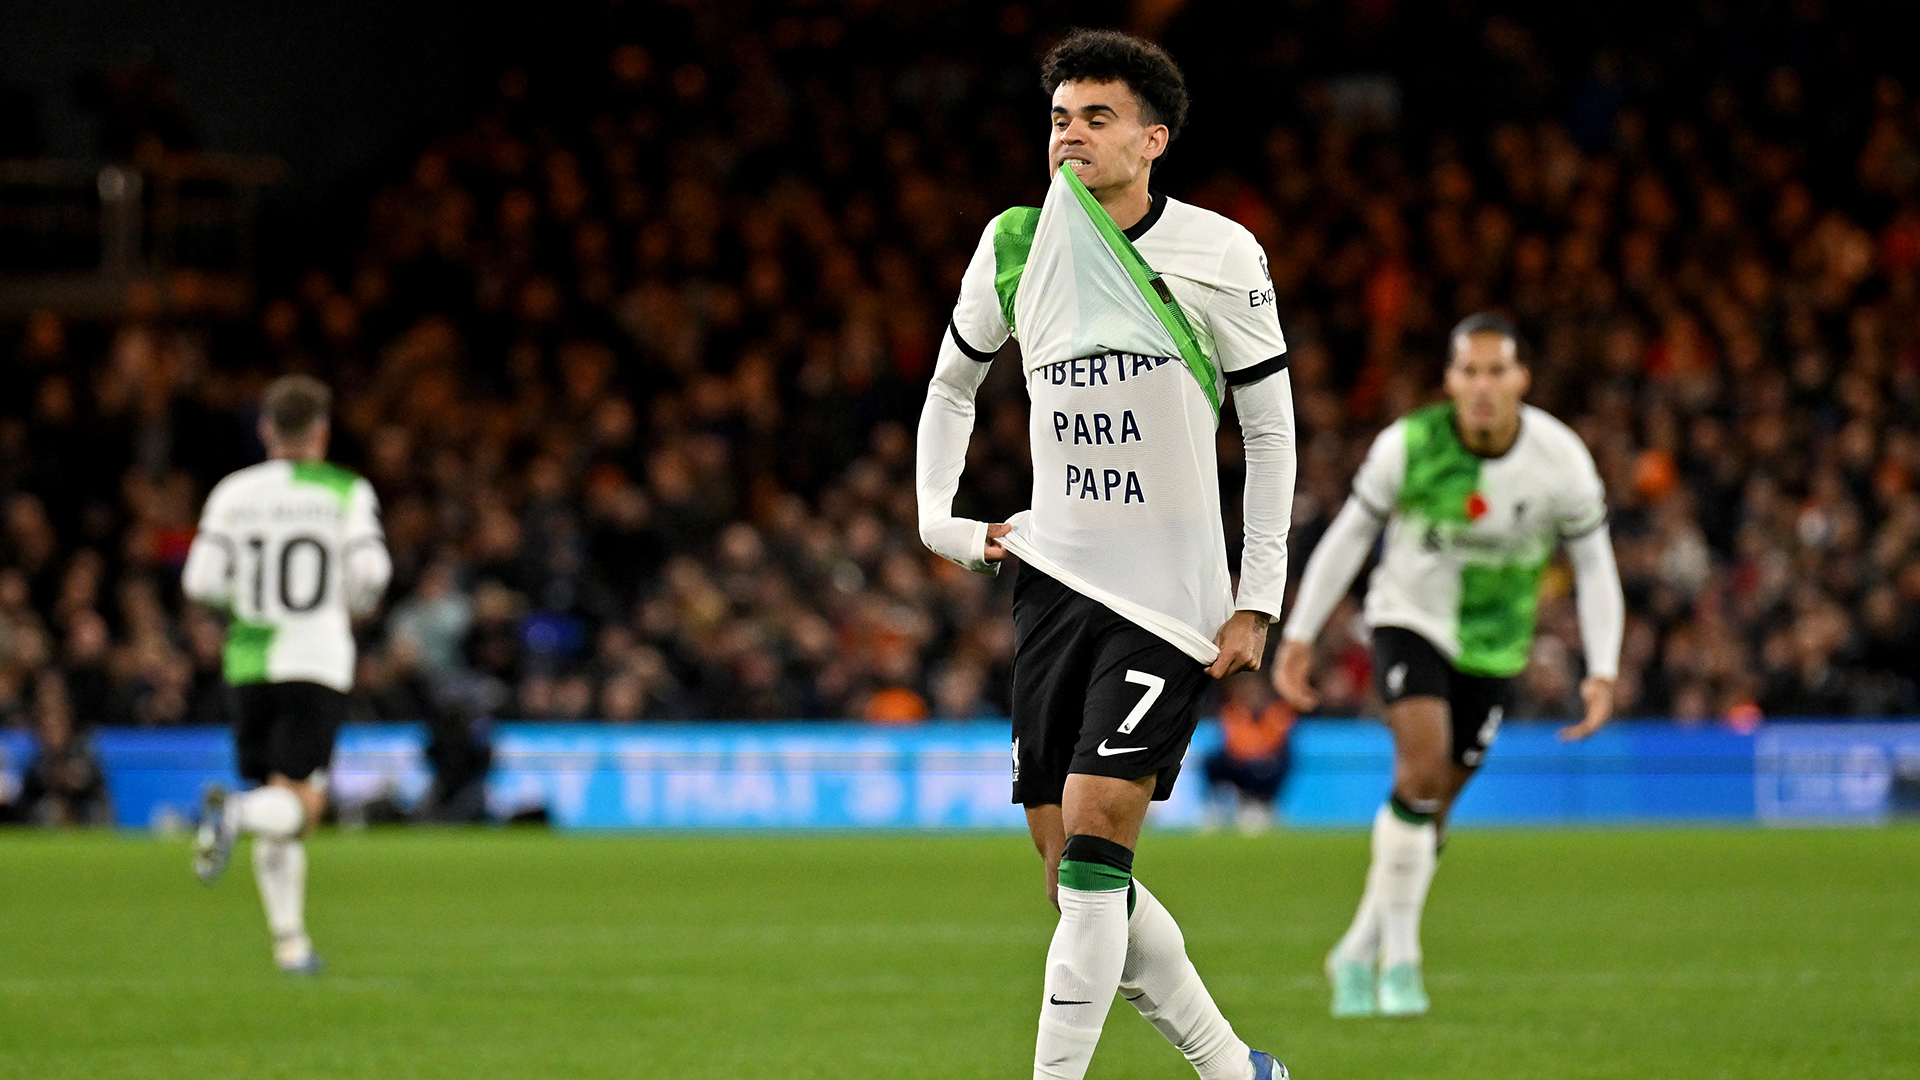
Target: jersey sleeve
[[1242, 317], [363, 514], [1598, 602], [975, 334], [978, 327], [1377, 484], [1335, 562], [215, 515], [369, 566], [1581, 504], [1265, 411], [208, 573]]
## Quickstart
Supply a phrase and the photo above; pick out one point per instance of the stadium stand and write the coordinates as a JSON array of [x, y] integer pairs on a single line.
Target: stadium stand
[[633, 357]]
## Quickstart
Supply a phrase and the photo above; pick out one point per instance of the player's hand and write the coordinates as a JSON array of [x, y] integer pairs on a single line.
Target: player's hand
[[1293, 673], [1242, 641], [995, 550], [1598, 694]]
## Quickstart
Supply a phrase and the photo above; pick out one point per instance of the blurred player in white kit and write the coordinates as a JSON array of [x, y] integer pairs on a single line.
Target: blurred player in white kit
[[292, 551]]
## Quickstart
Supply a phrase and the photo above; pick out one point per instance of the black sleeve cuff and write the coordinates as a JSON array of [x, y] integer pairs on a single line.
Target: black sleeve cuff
[[1369, 507], [1249, 375], [979, 355], [1588, 531]]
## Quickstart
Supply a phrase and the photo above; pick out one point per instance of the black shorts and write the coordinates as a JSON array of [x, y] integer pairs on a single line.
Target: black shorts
[[286, 728], [1094, 693], [1407, 665]]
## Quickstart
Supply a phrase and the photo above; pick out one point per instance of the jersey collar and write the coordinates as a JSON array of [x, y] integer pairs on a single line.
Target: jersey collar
[[1157, 206]]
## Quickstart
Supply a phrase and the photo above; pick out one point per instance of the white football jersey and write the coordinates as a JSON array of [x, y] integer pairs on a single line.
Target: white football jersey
[[1468, 537], [292, 550], [1126, 491]]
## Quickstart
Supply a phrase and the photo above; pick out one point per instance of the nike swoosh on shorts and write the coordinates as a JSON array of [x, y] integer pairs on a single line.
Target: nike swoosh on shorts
[[1108, 751]]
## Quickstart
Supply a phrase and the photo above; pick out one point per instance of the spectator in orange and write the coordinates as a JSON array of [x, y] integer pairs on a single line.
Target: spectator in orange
[[1251, 767], [895, 705]]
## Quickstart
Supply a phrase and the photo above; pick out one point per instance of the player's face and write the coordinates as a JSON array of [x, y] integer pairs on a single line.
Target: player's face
[[1486, 381], [1097, 126]]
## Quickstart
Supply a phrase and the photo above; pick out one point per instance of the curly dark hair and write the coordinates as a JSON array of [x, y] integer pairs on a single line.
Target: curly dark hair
[[1111, 56]]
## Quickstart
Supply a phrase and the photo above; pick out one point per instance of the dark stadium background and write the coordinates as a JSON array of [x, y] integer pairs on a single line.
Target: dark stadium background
[[631, 308]]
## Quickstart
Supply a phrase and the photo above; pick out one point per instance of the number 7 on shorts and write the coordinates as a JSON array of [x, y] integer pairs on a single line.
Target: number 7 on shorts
[[1154, 684]]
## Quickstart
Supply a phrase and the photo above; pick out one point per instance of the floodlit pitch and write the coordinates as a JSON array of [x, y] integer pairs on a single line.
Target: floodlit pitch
[[1587, 954]]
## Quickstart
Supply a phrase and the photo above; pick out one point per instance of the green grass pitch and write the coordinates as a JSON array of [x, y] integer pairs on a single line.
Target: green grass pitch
[[1641, 953]]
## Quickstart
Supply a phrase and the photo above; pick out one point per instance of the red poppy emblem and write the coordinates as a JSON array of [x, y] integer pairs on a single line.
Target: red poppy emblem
[[1476, 507]]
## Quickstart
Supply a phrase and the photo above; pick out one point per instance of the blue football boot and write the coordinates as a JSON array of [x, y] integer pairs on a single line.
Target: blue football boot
[[1266, 1066]]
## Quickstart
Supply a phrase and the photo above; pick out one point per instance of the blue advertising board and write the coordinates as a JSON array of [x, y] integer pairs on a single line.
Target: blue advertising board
[[16, 754], [955, 775], [1628, 772], [156, 777], [757, 776], [1858, 773]]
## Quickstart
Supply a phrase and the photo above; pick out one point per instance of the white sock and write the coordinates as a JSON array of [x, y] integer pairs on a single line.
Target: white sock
[[1161, 982], [1083, 971], [1410, 859], [269, 810], [1361, 944], [280, 869]]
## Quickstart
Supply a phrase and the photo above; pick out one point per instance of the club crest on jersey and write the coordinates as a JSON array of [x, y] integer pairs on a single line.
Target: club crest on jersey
[[1476, 506]]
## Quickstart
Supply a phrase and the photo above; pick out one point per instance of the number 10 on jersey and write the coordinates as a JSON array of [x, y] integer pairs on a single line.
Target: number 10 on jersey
[[298, 570]]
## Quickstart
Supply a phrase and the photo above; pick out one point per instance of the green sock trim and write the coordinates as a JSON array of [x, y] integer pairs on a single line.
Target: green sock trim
[[1408, 814], [1092, 877]]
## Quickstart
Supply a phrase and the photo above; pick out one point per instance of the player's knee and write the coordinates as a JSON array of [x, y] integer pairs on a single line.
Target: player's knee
[[1095, 864], [1421, 787], [313, 802], [315, 805]]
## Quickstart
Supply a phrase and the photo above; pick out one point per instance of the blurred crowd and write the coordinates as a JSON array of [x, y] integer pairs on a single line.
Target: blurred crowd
[[634, 356]]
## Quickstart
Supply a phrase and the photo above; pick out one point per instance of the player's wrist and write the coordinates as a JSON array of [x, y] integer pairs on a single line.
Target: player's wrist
[[958, 540]]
